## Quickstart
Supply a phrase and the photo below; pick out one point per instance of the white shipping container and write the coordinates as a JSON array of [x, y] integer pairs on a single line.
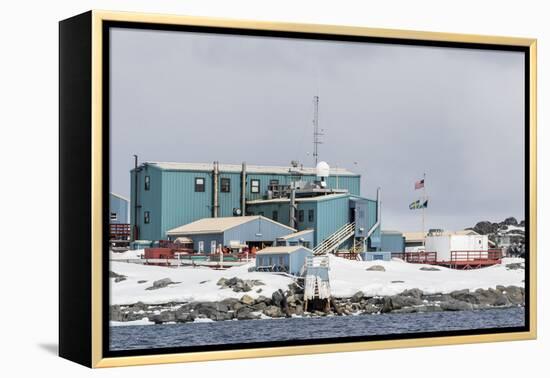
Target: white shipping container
[[445, 244]]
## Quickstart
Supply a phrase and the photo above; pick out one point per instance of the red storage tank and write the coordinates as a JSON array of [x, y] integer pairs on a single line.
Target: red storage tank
[[159, 253]]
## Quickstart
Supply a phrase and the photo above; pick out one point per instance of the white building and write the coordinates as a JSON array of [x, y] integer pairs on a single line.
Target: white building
[[458, 246]]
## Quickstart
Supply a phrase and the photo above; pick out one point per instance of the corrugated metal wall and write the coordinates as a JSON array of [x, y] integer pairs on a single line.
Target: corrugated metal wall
[[120, 207], [180, 203], [172, 200], [257, 230], [148, 200], [392, 242], [330, 216]]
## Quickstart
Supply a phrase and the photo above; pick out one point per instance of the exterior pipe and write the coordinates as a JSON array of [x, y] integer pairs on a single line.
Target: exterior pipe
[[292, 208], [378, 214], [216, 188], [243, 190]]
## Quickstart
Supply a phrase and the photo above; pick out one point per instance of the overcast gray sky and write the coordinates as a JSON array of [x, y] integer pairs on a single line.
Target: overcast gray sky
[[397, 111]]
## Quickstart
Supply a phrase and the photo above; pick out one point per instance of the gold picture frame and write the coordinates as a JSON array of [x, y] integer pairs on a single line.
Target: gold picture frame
[[91, 24]]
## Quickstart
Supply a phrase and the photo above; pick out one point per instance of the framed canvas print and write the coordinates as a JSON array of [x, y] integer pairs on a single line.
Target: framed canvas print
[[234, 189]]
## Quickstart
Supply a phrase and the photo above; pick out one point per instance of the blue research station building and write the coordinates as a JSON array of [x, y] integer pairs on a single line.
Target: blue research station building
[[323, 204]]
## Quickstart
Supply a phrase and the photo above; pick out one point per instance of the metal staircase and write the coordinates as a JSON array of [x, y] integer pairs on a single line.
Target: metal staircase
[[358, 246], [335, 240]]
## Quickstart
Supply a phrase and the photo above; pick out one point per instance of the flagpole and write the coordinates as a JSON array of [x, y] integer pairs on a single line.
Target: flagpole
[[423, 209]]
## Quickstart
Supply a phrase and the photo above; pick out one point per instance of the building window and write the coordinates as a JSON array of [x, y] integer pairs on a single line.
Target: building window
[[146, 217], [199, 184], [261, 213], [275, 215], [300, 215], [274, 182], [310, 215], [147, 182], [255, 186], [114, 217], [201, 246], [226, 185]]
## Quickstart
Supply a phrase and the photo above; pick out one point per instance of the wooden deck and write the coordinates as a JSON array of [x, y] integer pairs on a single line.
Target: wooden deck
[[459, 259]]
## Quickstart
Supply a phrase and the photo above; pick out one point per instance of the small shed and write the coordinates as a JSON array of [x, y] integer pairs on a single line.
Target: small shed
[[289, 259], [304, 238], [452, 246]]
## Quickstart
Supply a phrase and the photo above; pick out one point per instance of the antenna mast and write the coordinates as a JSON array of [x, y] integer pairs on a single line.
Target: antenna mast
[[316, 133]]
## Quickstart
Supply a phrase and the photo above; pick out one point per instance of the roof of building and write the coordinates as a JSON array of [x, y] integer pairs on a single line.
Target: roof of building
[[303, 199], [419, 236], [237, 168], [218, 225], [392, 232], [119, 196], [285, 249], [296, 234]]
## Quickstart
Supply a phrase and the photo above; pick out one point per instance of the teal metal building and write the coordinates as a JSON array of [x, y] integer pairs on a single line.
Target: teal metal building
[[324, 214], [168, 195]]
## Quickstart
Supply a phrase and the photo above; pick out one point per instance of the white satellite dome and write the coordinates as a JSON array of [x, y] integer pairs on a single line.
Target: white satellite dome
[[323, 169]]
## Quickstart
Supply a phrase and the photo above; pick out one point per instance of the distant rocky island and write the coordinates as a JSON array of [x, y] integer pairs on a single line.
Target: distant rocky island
[[510, 234]]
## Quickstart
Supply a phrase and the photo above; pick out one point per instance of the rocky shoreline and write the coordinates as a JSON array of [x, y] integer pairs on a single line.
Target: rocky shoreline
[[290, 303]]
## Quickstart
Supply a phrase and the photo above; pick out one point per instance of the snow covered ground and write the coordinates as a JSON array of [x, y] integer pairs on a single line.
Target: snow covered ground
[[346, 278]]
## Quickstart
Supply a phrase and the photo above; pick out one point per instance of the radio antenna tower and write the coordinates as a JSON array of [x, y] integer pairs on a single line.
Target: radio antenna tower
[[316, 133]]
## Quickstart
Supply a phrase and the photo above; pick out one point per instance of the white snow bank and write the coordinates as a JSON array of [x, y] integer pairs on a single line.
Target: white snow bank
[[195, 284], [128, 255], [346, 278], [144, 321]]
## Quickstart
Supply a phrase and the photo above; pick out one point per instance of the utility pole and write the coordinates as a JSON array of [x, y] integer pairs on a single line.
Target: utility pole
[[135, 232], [316, 133]]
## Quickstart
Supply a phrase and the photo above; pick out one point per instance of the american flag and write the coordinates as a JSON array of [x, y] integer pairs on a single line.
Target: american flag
[[419, 184]]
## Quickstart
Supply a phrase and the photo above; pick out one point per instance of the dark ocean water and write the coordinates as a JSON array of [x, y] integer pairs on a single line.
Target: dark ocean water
[[247, 331]]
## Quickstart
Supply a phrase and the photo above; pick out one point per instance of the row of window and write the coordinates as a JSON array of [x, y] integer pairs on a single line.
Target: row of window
[[274, 216], [301, 213], [225, 184]]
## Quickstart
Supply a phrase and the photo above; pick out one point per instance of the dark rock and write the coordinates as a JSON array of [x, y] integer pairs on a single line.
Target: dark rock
[[465, 296], [430, 269], [415, 293], [400, 301], [247, 300], [273, 312], [115, 313], [454, 305], [357, 296], [511, 221], [259, 306], [516, 295], [486, 227], [371, 309], [159, 284], [222, 282], [115, 275], [246, 313], [377, 268], [438, 297], [387, 305], [397, 281], [141, 281], [163, 317], [277, 298], [515, 266]]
